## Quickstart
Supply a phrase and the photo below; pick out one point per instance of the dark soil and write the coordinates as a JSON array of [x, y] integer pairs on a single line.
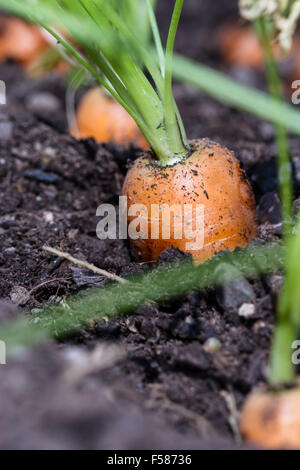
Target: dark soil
[[161, 386]]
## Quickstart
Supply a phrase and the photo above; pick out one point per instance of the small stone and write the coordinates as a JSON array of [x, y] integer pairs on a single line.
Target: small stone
[[131, 325], [275, 282], [19, 295], [72, 234], [43, 102], [54, 299], [6, 221], [10, 249], [233, 294], [189, 320], [41, 176], [259, 325], [50, 192], [247, 310], [48, 217], [211, 345], [269, 209], [50, 152], [35, 311]]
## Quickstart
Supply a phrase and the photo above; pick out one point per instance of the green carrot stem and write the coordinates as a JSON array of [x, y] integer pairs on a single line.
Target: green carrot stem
[[281, 366], [284, 163], [173, 132]]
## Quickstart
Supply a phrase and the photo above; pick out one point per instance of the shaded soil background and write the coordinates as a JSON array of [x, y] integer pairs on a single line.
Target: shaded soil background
[[150, 380]]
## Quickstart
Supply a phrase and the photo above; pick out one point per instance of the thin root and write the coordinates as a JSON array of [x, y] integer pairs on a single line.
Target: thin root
[[84, 264]]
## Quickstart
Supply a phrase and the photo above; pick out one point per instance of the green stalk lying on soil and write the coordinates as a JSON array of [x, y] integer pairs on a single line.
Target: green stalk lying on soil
[[85, 309]]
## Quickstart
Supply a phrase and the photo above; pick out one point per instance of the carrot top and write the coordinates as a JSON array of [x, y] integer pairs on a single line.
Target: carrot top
[[137, 76]]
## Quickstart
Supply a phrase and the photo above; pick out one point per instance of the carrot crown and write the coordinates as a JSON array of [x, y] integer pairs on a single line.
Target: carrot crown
[[138, 77]]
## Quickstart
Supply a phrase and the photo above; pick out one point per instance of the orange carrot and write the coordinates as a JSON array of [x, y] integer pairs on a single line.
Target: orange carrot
[[102, 118], [210, 177], [272, 420], [240, 46], [20, 41]]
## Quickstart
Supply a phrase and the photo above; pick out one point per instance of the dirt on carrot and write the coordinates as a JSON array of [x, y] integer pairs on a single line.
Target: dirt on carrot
[[211, 184]]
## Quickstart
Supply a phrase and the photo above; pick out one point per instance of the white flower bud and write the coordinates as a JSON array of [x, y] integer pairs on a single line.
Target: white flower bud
[[284, 16]]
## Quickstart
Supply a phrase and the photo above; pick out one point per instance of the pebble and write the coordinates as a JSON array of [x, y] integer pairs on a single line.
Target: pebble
[[275, 282], [50, 192], [189, 320], [54, 299], [43, 102], [41, 176], [211, 345], [259, 325], [6, 221], [72, 234], [247, 310], [48, 217], [50, 152], [19, 295], [233, 294], [35, 311], [10, 249], [269, 208]]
